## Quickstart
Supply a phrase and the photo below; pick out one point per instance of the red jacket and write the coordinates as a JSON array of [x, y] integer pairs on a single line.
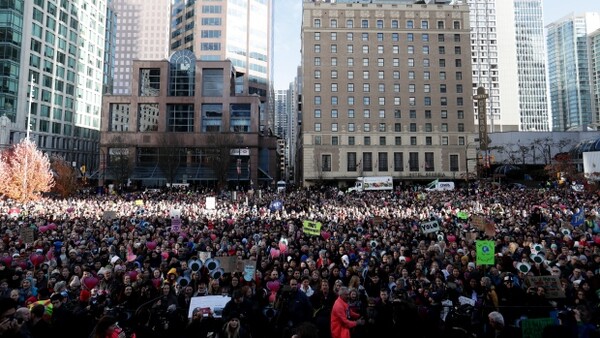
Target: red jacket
[[340, 324]]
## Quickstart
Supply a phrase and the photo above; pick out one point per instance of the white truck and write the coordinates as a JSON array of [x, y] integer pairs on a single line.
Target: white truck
[[373, 183], [439, 186]]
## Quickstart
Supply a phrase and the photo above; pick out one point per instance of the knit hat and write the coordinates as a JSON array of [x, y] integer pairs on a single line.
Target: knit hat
[[75, 283]]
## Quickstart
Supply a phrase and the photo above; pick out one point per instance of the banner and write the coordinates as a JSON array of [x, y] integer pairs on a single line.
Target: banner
[[428, 227], [578, 218], [462, 215], [551, 285], [311, 228], [485, 252]]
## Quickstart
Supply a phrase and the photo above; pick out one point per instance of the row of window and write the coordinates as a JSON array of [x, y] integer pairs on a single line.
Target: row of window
[[350, 113], [395, 37], [394, 23], [366, 100], [410, 62], [366, 163], [333, 48], [412, 88], [382, 127]]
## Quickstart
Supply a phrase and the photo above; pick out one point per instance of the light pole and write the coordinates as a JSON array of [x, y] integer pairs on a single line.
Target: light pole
[[25, 195], [467, 159]]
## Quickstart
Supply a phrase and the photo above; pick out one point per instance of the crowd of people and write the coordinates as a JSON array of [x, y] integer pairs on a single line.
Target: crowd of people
[[113, 265]]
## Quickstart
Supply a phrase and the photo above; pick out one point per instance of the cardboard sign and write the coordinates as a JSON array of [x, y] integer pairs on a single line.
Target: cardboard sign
[[551, 285], [27, 234], [311, 228]]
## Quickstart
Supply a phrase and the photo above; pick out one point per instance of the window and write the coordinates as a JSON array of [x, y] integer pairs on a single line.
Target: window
[[396, 62], [334, 100], [334, 48], [366, 100], [460, 114], [317, 100], [424, 24], [317, 87], [398, 127], [458, 75], [326, 162], [413, 161], [459, 88], [367, 161], [453, 162], [381, 101], [366, 127], [366, 87], [444, 128], [410, 49], [442, 88], [394, 23], [427, 88], [410, 37], [427, 101], [365, 36], [459, 101], [380, 24], [334, 74], [334, 87], [397, 114], [334, 113], [365, 75], [334, 61], [382, 128], [410, 24], [444, 140], [428, 128], [429, 161], [395, 37], [412, 114], [334, 127], [461, 127], [398, 161], [317, 35], [456, 24], [428, 114], [317, 113], [317, 74], [379, 49], [428, 141], [441, 38], [367, 140], [413, 127], [440, 24], [457, 50], [442, 62], [180, 118], [441, 50], [411, 88], [349, 23], [333, 23], [317, 23], [318, 139], [380, 62], [350, 62], [444, 114], [350, 88], [382, 161], [317, 127], [364, 23], [365, 49], [333, 36], [365, 62], [351, 127], [380, 37], [350, 113], [349, 36], [350, 48], [425, 49], [317, 61], [366, 113], [335, 140], [444, 101], [412, 101], [411, 75], [381, 113], [350, 75], [458, 63], [426, 63], [396, 75], [411, 62], [351, 161], [442, 75]]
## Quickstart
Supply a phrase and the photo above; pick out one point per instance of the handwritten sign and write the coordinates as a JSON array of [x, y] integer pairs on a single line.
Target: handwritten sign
[[428, 227], [27, 234], [551, 285], [534, 328], [211, 203]]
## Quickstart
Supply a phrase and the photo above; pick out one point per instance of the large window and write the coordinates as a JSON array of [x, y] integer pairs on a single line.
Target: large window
[[148, 117], [211, 117], [382, 160], [212, 82], [413, 161], [326, 162], [398, 161], [149, 82], [180, 117], [119, 116], [367, 161], [351, 161], [182, 70], [429, 162], [240, 117]]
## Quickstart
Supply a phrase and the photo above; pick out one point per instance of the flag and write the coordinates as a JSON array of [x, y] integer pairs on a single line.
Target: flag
[[432, 183], [578, 218], [276, 205], [485, 252]]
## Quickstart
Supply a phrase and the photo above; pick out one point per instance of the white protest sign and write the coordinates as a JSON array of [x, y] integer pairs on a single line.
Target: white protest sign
[[211, 203], [215, 303], [428, 227]]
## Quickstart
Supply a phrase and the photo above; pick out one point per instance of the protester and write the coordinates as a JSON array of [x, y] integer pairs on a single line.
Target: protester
[[119, 254]]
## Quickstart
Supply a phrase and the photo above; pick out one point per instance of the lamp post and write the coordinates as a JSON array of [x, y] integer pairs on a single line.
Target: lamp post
[[467, 159], [27, 138]]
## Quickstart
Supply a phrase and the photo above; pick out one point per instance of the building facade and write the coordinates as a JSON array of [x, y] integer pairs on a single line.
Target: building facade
[[60, 46], [184, 122], [240, 31], [594, 42], [569, 70], [386, 91], [142, 33]]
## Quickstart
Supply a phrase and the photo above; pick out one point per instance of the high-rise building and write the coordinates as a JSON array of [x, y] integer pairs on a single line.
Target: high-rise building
[[240, 31], [385, 91], [594, 43], [569, 70], [142, 33], [508, 61], [60, 46]]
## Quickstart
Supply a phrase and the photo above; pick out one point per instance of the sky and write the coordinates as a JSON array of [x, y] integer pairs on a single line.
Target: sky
[[288, 20]]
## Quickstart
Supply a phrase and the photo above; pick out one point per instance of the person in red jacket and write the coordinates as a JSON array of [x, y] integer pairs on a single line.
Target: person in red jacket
[[342, 318]]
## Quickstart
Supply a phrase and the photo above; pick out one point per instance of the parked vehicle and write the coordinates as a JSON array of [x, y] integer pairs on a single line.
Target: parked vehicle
[[373, 183]]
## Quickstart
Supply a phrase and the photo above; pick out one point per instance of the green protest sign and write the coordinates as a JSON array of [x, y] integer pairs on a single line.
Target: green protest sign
[[485, 252], [533, 328], [311, 228]]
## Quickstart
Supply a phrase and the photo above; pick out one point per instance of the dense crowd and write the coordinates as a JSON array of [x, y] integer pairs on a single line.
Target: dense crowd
[[113, 264]]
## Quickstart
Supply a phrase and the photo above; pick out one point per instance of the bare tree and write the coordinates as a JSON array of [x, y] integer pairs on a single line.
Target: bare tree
[[171, 155], [218, 154], [543, 148], [119, 165]]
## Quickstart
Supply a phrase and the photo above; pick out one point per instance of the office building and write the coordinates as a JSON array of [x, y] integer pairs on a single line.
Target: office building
[[569, 70], [141, 33], [184, 123], [60, 45], [594, 42], [386, 90], [240, 31]]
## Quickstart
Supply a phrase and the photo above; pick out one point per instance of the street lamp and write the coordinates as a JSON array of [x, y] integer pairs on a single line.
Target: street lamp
[[467, 159], [27, 137]]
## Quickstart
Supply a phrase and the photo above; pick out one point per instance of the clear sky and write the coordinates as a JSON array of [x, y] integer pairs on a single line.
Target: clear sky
[[288, 20]]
